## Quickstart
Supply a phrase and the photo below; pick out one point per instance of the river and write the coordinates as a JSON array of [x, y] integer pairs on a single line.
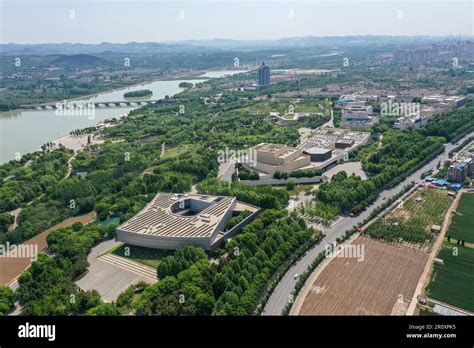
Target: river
[[23, 131]]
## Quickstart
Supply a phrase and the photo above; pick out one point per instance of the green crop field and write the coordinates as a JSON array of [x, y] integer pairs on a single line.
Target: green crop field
[[453, 282], [412, 222], [462, 227]]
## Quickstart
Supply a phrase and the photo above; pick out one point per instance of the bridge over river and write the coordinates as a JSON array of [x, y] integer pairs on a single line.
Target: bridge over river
[[86, 104]]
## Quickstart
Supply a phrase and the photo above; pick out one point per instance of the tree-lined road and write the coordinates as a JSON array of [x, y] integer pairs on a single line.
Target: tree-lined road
[[281, 295]]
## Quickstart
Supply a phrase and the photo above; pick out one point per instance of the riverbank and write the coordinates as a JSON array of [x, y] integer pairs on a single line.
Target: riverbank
[[43, 126], [190, 75]]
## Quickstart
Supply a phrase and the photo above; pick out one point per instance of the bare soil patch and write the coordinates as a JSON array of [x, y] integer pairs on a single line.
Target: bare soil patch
[[382, 283]]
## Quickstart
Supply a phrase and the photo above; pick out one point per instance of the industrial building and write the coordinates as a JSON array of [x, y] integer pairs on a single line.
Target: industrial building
[[273, 158], [171, 221]]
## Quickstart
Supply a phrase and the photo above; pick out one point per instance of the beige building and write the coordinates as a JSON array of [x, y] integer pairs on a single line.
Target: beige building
[[171, 221], [273, 158]]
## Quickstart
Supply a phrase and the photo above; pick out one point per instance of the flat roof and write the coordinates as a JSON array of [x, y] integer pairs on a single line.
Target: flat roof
[[317, 151]]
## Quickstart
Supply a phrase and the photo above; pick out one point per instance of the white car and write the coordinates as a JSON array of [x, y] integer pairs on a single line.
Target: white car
[[296, 276]]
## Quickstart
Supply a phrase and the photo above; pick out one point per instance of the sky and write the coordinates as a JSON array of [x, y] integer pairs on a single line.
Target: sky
[[119, 21]]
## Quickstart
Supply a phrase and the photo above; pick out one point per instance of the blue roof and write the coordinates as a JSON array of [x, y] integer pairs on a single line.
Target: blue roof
[[461, 165], [456, 185], [440, 182]]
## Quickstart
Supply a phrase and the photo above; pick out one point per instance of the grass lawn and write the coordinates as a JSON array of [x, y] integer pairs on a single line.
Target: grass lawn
[[462, 227], [147, 256]]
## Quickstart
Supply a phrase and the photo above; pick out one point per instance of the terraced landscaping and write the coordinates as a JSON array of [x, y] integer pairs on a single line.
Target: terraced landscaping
[[147, 256]]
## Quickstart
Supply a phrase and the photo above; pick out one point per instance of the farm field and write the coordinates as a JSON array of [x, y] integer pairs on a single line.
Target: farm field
[[382, 283], [453, 282], [410, 223], [462, 227]]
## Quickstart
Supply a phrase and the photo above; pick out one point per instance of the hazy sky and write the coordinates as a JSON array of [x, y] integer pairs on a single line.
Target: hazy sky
[[87, 21]]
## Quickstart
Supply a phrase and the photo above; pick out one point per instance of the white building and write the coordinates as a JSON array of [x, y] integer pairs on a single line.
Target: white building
[[410, 122], [358, 116]]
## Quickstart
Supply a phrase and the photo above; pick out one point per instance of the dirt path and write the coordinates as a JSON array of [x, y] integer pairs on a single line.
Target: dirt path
[[12, 267], [329, 123], [426, 275], [69, 165], [15, 213]]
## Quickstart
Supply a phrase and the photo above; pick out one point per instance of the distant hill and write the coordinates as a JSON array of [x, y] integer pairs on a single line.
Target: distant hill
[[209, 46], [79, 60], [136, 48]]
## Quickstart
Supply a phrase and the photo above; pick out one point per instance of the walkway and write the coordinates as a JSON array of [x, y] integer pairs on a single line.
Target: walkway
[[111, 275]]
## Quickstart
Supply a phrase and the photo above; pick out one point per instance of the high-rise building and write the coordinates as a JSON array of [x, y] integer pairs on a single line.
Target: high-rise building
[[263, 75], [458, 172]]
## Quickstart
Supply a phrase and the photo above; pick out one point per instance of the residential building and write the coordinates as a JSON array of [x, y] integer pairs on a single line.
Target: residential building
[[458, 172], [263, 75]]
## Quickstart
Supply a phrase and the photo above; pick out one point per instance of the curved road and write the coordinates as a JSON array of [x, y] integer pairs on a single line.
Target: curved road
[[282, 292]]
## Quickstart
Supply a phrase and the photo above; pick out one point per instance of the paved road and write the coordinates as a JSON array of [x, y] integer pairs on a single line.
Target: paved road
[[282, 292]]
